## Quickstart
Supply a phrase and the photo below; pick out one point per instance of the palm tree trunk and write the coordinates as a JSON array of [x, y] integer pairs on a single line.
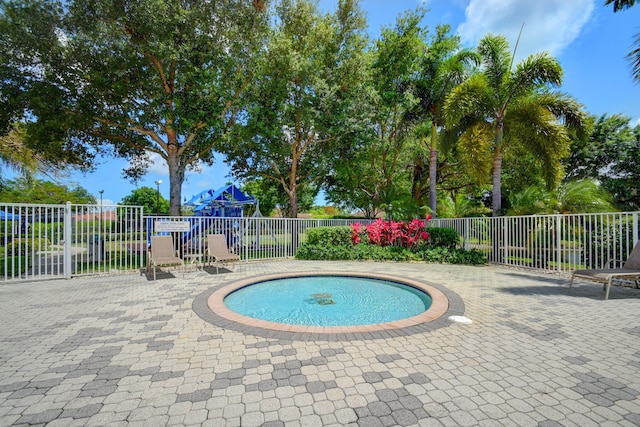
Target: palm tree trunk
[[497, 197], [433, 167], [497, 171]]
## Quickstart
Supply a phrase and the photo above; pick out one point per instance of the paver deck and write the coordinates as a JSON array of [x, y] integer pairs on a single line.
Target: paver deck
[[125, 350]]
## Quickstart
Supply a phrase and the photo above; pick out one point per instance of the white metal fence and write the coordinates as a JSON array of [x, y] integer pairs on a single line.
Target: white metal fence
[[40, 242], [251, 238], [551, 242]]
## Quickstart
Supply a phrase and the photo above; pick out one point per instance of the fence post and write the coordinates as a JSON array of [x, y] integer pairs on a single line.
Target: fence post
[[558, 242], [67, 241], [506, 235], [635, 228]]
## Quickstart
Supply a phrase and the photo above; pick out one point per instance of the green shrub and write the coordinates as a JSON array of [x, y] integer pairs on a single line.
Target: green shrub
[[14, 265], [442, 237], [453, 256], [370, 252], [26, 246], [330, 236], [324, 252]]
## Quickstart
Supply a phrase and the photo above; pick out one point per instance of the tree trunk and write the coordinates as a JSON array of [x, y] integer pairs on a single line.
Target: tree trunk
[[293, 202], [433, 168], [497, 171], [176, 178]]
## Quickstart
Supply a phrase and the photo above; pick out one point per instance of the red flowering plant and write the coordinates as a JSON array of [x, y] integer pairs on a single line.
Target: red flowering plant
[[357, 229], [386, 233]]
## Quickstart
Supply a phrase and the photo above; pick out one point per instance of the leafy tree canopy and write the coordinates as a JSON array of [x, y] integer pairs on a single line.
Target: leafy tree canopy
[[612, 157], [300, 109], [372, 172], [148, 198], [31, 190], [127, 78]]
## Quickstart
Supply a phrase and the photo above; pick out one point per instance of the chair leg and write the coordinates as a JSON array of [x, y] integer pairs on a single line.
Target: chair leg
[[607, 287], [571, 283]]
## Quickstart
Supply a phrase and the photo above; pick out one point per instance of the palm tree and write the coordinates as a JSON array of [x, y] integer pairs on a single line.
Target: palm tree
[[620, 4], [634, 55], [17, 156], [14, 155], [576, 196], [501, 106], [582, 196], [443, 67]]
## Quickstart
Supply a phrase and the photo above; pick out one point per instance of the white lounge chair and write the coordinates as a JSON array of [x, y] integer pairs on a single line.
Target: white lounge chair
[[162, 253], [629, 270], [218, 251]]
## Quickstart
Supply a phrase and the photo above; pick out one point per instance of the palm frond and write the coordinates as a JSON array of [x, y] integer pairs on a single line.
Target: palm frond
[[14, 155], [540, 69], [634, 59], [534, 126], [469, 99], [532, 200], [496, 59], [566, 108], [475, 149], [619, 5], [584, 196]]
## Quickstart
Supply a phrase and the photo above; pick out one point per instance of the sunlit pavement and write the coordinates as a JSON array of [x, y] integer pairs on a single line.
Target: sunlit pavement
[[125, 350]]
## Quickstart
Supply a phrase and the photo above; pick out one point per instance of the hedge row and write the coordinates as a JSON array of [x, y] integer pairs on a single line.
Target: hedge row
[[335, 243]]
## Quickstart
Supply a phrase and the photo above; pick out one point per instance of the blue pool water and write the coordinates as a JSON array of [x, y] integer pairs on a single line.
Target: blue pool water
[[328, 301]]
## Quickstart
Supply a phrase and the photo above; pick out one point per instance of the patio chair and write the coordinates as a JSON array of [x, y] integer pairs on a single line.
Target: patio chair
[[162, 253], [218, 251], [629, 270]]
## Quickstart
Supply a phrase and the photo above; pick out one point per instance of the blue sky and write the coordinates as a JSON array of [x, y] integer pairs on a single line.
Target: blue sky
[[590, 41]]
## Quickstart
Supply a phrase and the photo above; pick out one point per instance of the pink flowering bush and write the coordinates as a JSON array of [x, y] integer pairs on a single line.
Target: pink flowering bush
[[386, 233], [384, 241]]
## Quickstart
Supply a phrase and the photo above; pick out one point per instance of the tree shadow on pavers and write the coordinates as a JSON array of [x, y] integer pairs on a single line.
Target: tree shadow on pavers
[[545, 278], [592, 291]]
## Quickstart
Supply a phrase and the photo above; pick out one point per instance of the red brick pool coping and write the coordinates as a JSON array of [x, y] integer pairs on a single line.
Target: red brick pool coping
[[439, 306]]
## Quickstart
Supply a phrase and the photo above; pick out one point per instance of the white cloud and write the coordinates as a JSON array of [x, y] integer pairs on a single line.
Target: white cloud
[[549, 25], [157, 165]]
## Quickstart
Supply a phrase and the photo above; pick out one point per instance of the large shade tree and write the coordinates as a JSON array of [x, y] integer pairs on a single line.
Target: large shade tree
[[299, 110], [127, 78], [376, 172], [505, 105]]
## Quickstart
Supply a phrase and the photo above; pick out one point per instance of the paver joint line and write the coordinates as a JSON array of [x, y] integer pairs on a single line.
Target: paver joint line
[[117, 350]]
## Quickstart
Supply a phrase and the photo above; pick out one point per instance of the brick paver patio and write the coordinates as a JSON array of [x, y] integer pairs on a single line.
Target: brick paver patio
[[124, 350]]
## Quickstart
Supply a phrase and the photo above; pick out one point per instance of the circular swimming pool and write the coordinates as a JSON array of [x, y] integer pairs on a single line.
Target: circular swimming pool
[[431, 302], [328, 301]]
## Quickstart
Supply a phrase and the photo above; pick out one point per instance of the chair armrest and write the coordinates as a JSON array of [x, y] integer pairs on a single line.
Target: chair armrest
[[611, 262]]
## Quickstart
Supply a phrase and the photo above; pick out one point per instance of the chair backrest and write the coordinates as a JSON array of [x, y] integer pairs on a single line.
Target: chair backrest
[[162, 246], [217, 244], [633, 262]]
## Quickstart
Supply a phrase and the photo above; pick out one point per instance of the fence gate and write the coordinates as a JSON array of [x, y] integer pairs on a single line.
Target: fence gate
[[40, 242]]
